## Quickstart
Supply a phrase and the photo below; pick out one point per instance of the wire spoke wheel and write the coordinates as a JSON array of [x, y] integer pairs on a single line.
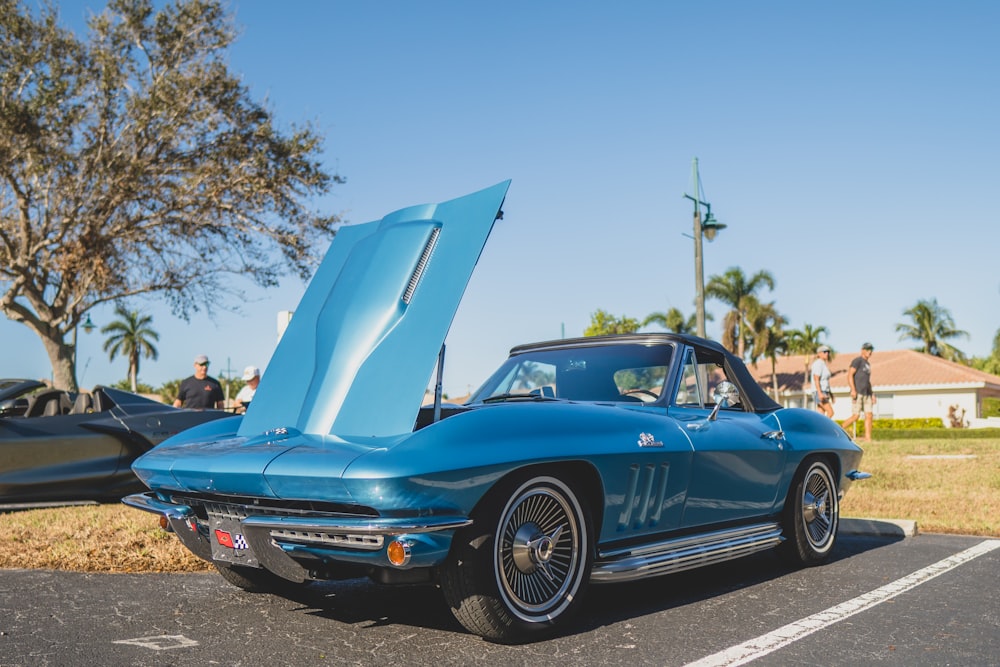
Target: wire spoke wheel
[[817, 508], [538, 552], [812, 514], [523, 565]]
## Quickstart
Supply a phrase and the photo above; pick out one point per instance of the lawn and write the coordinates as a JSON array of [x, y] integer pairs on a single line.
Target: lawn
[[947, 485]]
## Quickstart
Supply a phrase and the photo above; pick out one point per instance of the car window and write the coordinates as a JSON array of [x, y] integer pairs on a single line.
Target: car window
[[607, 373], [691, 390], [699, 377]]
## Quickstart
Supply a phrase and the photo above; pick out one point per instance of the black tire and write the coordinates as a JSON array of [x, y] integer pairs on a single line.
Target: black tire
[[812, 514], [522, 568], [252, 579]]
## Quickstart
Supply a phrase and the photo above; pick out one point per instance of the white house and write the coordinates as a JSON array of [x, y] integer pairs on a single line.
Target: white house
[[907, 384]]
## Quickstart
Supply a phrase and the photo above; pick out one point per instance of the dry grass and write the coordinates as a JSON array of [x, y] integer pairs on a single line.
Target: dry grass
[[942, 495], [94, 538]]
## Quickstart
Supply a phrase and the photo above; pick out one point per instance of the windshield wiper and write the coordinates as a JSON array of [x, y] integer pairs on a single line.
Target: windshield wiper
[[496, 398]]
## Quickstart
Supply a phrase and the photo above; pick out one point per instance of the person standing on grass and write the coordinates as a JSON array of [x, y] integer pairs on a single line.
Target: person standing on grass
[[821, 381], [199, 391], [859, 378]]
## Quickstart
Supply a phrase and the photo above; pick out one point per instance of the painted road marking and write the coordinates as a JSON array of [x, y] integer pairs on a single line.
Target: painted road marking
[[160, 642], [772, 641]]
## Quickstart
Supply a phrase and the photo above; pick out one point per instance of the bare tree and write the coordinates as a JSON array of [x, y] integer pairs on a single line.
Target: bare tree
[[135, 163]]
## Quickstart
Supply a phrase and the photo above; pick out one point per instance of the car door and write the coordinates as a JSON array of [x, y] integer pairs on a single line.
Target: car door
[[738, 456], [54, 458]]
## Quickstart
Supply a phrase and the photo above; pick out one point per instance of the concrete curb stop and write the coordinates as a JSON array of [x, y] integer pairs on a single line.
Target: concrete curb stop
[[879, 527]]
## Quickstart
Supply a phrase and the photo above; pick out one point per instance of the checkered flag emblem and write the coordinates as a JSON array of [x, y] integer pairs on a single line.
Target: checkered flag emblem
[[239, 542]]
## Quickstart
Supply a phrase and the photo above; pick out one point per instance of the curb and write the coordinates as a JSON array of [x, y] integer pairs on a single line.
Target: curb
[[879, 527]]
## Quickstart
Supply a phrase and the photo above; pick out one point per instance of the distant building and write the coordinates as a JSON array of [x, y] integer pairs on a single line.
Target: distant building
[[907, 384]]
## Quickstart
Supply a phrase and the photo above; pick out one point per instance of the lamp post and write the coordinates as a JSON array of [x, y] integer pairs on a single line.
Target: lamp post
[[88, 326], [710, 227]]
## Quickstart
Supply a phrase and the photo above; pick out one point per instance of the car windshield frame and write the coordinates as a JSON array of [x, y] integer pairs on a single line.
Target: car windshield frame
[[631, 372]]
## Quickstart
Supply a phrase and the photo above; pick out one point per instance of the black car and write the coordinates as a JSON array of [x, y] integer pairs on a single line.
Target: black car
[[58, 446]]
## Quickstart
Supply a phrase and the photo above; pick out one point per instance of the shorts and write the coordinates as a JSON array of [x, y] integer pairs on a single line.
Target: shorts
[[822, 397], [862, 403]]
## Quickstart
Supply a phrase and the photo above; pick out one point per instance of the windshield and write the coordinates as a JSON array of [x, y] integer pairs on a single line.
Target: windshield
[[630, 373]]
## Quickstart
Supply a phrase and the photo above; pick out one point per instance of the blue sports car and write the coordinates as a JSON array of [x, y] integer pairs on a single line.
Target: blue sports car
[[578, 462]]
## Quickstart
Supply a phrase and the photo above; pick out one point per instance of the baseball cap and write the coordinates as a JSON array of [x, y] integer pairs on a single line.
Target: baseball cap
[[867, 346], [201, 359], [250, 372], [823, 348]]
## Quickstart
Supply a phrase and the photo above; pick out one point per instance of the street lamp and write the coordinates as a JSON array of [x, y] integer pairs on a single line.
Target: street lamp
[[710, 227], [88, 326]]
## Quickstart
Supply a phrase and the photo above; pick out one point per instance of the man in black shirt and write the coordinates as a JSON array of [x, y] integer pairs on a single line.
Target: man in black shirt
[[859, 378], [200, 392]]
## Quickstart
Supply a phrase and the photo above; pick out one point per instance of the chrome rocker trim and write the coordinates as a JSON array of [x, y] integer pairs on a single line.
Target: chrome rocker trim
[[684, 553]]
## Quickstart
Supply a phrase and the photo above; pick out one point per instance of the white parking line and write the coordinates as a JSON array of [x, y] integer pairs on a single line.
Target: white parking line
[[772, 641]]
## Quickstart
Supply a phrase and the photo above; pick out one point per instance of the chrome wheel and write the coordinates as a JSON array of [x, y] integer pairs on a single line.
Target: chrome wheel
[[812, 514], [524, 564], [539, 549], [819, 507]]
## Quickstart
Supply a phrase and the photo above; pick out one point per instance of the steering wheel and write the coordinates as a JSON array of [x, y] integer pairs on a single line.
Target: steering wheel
[[652, 396]]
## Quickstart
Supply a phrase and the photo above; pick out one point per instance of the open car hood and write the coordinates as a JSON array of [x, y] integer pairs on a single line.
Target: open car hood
[[359, 352]]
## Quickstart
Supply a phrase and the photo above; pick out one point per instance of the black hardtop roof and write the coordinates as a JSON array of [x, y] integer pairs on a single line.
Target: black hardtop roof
[[630, 338]]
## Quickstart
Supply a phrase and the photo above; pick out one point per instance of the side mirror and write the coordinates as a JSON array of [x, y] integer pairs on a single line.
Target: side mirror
[[14, 407], [725, 395]]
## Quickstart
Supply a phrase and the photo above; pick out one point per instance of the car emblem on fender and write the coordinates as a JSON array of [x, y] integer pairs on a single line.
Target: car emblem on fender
[[647, 440]]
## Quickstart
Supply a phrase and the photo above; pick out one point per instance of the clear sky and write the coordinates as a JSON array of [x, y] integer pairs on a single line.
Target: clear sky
[[851, 148]]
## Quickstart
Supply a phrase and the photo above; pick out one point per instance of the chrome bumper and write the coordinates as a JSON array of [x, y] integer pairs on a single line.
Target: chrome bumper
[[265, 534]]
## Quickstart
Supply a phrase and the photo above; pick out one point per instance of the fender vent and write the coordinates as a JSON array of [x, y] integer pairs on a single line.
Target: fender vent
[[418, 272]]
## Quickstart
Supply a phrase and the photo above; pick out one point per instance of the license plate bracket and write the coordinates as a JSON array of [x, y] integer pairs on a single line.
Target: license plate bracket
[[229, 544]]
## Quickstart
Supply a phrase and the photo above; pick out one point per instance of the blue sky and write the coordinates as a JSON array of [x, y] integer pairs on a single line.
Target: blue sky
[[850, 147]]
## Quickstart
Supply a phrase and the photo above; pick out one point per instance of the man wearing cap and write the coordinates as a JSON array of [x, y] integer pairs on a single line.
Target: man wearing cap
[[200, 392], [251, 375], [859, 378], [821, 381]]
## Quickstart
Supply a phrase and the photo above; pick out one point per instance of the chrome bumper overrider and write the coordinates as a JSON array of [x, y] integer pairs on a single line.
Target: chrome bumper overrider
[[266, 532], [684, 553]]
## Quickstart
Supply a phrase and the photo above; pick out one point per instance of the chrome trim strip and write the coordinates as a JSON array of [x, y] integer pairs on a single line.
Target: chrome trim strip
[[148, 502], [684, 553], [359, 526]]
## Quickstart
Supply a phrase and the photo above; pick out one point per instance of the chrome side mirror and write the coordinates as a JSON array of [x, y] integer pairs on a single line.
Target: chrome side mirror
[[725, 395]]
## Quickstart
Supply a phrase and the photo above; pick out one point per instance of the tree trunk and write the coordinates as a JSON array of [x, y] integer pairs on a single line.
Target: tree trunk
[[62, 356]]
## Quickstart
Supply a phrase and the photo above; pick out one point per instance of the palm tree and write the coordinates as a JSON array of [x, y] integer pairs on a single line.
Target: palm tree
[[740, 294], [932, 326], [674, 320], [131, 337], [769, 338]]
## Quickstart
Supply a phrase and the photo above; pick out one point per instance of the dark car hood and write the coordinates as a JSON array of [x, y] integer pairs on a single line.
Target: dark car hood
[[358, 353]]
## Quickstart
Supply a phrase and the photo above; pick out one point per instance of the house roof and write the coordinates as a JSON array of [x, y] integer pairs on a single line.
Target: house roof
[[890, 369]]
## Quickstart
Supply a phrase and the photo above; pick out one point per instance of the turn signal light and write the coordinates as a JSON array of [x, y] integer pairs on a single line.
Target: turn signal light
[[398, 552], [165, 524]]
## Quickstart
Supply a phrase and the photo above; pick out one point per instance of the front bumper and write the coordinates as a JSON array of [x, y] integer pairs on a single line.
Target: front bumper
[[271, 538]]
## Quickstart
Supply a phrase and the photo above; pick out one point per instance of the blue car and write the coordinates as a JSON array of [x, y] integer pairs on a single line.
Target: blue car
[[578, 462]]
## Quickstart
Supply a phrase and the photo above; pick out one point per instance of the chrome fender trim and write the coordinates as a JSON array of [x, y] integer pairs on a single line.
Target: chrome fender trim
[[684, 553]]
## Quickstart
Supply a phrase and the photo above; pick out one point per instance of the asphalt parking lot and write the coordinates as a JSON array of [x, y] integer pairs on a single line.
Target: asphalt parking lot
[[921, 600]]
